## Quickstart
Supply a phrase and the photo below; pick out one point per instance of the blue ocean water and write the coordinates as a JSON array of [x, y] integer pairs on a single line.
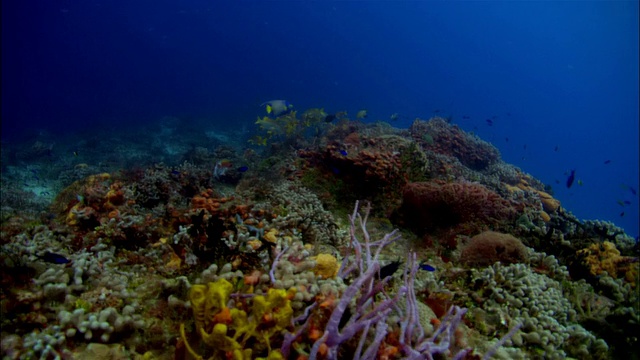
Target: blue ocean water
[[558, 80]]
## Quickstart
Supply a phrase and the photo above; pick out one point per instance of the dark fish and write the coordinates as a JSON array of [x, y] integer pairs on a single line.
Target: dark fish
[[466, 117], [427, 267], [633, 191], [622, 214], [54, 258], [607, 162], [335, 170], [389, 269], [557, 181], [243, 168], [620, 202], [506, 139], [175, 172], [556, 148], [627, 202], [524, 146], [489, 122], [75, 153], [343, 152], [572, 176], [346, 315], [329, 118], [436, 111]]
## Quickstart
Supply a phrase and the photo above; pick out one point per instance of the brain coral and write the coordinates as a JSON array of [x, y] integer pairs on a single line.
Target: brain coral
[[490, 247]]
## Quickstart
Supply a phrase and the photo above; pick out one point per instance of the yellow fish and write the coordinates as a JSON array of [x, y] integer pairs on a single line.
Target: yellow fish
[[277, 107]]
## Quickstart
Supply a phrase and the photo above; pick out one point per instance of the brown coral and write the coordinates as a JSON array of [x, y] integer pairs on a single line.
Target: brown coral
[[429, 206], [489, 247]]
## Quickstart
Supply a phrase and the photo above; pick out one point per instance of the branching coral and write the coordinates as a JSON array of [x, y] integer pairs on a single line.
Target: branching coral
[[362, 310]]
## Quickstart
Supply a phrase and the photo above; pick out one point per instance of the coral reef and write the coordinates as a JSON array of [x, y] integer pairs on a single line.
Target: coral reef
[[188, 244]]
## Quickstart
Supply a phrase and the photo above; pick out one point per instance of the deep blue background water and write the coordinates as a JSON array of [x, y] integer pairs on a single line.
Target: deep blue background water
[[560, 79]]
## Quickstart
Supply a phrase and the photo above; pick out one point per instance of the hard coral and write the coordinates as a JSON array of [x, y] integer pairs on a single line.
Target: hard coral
[[363, 165], [441, 137], [490, 247], [428, 206]]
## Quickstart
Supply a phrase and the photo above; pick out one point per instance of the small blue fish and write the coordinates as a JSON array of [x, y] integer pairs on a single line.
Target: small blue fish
[[607, 162], [243, 169], [427, 267], [489, 122], [175, 172], [54, 258], [343, 152]]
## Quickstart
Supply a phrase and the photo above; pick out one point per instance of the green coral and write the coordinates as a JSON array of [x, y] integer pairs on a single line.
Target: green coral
[[233, 330]]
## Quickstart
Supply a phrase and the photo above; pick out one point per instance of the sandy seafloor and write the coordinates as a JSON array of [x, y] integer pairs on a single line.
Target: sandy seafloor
[[160, 243]]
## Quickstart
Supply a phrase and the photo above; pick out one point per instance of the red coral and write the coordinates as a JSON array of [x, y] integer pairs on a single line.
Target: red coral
[[466, 206]]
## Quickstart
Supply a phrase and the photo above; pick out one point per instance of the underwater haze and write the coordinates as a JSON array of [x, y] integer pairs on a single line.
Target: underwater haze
[[552, 84]]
